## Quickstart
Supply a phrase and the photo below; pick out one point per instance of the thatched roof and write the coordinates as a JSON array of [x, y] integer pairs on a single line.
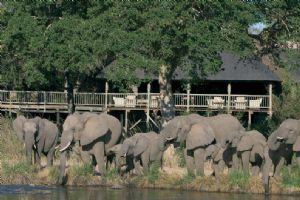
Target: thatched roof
[[232, 69]]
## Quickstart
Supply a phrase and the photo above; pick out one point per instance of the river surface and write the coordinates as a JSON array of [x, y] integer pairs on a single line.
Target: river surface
[[26, 192]]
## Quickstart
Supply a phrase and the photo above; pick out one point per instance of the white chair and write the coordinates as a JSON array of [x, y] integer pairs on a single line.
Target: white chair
[[255, 103], [119, 101], [154, 101], [216, 103], [240, 103], [130, 101]]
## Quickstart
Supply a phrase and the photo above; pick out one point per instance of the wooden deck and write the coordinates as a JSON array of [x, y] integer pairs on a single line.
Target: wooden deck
[[53, 102]]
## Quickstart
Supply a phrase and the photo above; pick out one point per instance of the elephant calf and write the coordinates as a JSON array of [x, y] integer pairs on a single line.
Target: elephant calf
[[250, 149], [145, 149]]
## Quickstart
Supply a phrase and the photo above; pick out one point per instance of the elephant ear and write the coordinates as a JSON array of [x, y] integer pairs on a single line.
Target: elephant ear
[[18, 124], [41, 128], [94, 128], [296, 146], [245, 144], [141, 145], [199, 136], [257, 149]]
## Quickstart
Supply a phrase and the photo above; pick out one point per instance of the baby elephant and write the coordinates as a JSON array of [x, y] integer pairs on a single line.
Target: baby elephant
[[250, 150], [144, 148]]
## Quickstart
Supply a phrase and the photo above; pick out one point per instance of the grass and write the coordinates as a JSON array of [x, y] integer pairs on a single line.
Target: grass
[[153, 174], [53, 174], [187, 179], [239, 179], [291, 179], [81, 170], [19, 168]]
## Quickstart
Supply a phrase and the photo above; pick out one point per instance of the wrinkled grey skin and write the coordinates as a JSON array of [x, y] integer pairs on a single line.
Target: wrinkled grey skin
[[145, 149], [204, 137], [282, 144], [124, 165], [250, 149], [40, 137], [95, 134]]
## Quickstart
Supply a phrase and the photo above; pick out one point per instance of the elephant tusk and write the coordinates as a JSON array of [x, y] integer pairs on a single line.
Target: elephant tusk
[[34, 146], [279, 138], [57, 147], [65, 147], [169, 138], [125, 154]]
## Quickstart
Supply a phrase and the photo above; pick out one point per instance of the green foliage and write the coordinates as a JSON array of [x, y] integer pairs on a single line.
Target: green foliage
[[81, 170], [291, 179], [239, 179], [20, 168], [153, 174]]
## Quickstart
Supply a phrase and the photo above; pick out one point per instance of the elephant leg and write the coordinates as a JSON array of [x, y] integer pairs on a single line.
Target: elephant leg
[[85, 156], [279, 166], [199, 155], [98, 151], [137, 165], [235, 162], [50, 156], [189, 160], [298, 158], [245, 160], [255, 170], [145, 161]]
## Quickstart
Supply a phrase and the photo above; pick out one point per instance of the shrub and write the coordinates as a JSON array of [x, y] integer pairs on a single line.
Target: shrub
[[188, 178], [179, 152]]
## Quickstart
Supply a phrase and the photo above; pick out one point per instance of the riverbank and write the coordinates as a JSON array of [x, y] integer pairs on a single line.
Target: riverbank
[[15, 170]]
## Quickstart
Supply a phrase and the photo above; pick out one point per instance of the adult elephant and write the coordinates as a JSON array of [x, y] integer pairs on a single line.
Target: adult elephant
[[95, 134], [40, 137], [282, 144], [145, 148], [250, 150], [199, 133]]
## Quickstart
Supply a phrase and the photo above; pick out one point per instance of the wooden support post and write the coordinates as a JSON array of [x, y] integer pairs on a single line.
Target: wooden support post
[[148, 103], [44, 101], [10, 104], [270, 100], [57, 118], [229, 98], [106, 97], [249, 120], [126, 121], [188, 97]]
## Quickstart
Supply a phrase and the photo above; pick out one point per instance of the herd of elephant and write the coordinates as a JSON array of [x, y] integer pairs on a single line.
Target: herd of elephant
[[220, 138]]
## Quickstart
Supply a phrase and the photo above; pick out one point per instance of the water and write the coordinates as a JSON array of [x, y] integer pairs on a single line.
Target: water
[[26, 192]]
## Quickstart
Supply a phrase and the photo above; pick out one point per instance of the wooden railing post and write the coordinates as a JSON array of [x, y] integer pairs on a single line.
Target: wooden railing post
[[148, 103], [106, 97], [188, 97], [229, 97], [45, 101], [270, 100], [10, 104]]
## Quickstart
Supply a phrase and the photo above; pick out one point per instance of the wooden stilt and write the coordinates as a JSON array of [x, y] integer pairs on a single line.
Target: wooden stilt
[[249, 119], [126, 121]]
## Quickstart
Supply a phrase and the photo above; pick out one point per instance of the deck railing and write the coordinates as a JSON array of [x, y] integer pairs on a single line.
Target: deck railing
[[182, 101]]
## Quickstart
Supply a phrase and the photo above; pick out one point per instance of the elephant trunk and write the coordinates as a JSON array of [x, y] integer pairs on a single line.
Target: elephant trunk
[[63, 156]]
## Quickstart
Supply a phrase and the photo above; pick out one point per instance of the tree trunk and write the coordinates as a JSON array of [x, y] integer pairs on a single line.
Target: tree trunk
[[69, 90], [166, 95]]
